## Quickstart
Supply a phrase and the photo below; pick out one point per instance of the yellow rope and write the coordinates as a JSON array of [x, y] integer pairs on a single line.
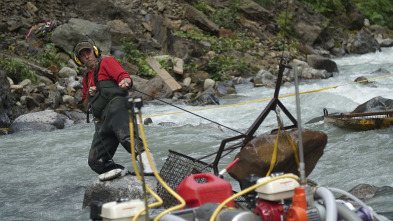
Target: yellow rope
[[251, 188], [274, 155], [158, 198], [293, 148], [266, 99], [182, 202]]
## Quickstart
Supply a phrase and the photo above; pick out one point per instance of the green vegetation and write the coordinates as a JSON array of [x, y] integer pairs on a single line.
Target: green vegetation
[[17, 71], [223, 17], [47, 56], [284, 21], [218, 66], [136, 57], [377, 11], [327, 7], [264, 3]]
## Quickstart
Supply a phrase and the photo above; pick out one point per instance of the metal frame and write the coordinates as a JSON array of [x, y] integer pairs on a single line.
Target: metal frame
[[250, 133]]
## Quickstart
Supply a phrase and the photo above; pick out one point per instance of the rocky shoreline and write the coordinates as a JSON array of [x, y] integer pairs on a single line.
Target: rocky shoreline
[[152, 25]]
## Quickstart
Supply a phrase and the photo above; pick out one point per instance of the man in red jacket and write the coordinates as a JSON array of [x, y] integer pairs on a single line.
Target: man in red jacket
[[104, 95]]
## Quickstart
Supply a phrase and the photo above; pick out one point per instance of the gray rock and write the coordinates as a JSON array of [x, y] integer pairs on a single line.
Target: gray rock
[[123, 187], [374, 105], [67, 35], [47, 120], [322, 63], [66, 72]]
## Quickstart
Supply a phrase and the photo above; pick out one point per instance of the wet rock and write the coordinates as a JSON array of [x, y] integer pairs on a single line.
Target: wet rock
[[264, 78], [225, 88], [155, 88], [256, 155], [374, 105], [362, 43], [322, 63], [47, 120], [205, 98], [123, 187]]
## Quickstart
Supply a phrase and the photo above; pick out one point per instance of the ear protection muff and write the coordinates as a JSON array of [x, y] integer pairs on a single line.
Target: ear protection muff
[[96, 50], [77, 61]]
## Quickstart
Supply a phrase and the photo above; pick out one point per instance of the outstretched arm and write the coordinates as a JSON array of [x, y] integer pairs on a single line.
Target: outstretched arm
[[126, 82]]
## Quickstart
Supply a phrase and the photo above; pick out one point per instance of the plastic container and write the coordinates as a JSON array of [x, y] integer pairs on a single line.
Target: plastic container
[[213, 190], [276, 190], [122, 211]]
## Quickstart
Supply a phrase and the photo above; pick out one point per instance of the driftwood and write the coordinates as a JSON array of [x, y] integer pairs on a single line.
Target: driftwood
[[165, 76]]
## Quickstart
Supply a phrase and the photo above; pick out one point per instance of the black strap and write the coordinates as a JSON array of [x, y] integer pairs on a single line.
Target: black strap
[[87, 97], [95, 78]]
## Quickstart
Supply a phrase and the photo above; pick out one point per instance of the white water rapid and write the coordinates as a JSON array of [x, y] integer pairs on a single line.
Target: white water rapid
[[44, 174]]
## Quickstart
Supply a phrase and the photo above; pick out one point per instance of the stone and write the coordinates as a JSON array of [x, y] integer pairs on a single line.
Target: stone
[[255, 157], [208, 83], [123, 187], [322, 63], [375, 104], [47, 120], [66, 72]]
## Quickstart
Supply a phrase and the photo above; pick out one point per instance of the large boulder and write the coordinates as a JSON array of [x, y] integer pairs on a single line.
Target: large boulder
[[67, 35], [307, 25], [6, 101], [120, 188], [154, 88], [375, 104], [362, 43], [199, 19], [47, 120], [322, 63], [256, 155]]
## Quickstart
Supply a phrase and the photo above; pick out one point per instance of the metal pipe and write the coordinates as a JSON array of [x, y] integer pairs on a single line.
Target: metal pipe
[[299, 128]]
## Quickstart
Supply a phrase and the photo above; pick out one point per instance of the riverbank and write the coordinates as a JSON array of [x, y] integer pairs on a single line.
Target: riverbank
[[39, 73]]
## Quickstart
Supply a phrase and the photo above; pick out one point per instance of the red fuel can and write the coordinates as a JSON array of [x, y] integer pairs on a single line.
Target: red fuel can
[[208, 189]]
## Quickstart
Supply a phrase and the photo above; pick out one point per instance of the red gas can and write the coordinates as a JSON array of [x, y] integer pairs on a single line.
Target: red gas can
[[208, 189]]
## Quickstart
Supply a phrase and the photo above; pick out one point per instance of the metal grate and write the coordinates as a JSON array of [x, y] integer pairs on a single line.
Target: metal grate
[[176, 168]]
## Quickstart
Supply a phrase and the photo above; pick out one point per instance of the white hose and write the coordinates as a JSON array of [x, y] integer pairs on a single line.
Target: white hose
[[330, 203], [378, 217], [170, 217], [346, 214]]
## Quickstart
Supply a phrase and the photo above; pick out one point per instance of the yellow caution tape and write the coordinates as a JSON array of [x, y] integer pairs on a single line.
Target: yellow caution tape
[[266, 99]]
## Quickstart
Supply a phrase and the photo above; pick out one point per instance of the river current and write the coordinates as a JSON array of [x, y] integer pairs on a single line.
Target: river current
[[44, 174]]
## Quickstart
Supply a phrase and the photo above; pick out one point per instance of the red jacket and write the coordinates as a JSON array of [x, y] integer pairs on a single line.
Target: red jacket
[[110, 69]]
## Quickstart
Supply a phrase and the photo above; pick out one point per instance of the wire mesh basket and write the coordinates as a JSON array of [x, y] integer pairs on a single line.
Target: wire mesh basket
[[175, 169]]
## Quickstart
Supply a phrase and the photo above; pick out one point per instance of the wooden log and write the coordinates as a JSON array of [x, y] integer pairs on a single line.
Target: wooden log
[[165, 76]]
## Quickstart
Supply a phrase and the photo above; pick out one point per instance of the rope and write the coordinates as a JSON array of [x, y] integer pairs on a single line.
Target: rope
[[293, 147], [184, 110], [265, 99], [274, 155]]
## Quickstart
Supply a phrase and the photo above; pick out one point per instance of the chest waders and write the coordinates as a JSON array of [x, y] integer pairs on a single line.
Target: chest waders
[[108, 106]]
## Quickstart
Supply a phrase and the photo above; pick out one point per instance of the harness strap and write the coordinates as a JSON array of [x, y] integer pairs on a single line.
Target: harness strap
[[274, 155]]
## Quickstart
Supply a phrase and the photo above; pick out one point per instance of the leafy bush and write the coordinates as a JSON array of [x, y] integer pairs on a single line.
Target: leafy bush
[[264, 3], [17, 71], [223, 17], [47, 56], [136, 57], [218, 66], [327, 7], [377, 11]]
